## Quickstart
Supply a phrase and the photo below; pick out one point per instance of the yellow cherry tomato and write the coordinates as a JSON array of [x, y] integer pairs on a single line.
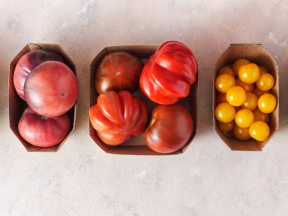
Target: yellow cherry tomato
[[224, 82], [259, 130], [265, 82], [260, 116], [236, 96], [226, 70], [249, 73], [249, 88], [263, 70], [241, 133], [237, 64], [267, 103], [221, 98], [225, 113], [259, 93], [244, 118], [238, 109], [251, 101], [226, 127]]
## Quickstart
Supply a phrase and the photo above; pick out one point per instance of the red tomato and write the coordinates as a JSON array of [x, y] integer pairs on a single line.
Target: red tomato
[[169, 73], [170, 128], [118, 71], [118, 116], [51, 89], [27, 63], [43, 131]]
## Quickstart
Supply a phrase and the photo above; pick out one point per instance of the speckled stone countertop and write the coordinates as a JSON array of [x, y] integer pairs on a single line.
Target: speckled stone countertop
[[81, 179]]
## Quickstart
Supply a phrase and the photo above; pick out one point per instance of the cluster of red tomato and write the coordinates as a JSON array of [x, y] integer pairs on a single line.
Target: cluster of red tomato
[[50, 89], [165, 78], [240, 102]]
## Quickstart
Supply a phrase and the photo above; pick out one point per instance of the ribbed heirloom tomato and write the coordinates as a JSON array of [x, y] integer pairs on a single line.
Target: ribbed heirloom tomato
[[170, 128], [118, 116], [168, 74]]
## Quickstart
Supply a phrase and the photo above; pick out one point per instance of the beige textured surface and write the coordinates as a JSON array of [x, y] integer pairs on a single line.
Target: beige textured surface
[[80, 179]]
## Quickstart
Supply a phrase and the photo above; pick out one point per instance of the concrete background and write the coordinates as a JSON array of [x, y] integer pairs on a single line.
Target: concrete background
[[80, 179]]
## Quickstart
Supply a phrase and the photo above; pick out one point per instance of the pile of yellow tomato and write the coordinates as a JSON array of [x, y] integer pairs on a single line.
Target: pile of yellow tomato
[[243, 106]]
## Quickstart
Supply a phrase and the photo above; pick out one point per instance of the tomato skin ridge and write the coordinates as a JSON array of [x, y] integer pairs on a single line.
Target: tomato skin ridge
[[118, 119]]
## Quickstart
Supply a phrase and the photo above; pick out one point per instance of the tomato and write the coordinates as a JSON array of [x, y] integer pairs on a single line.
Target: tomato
[[251, 101], [170, 128], [43, 131], [226, 127], [51, 89], [118, 116], [237, 64], [249, 73], [244, 118], [265, 82], [118, 71], [168, 74], [237, 109], [260, 116], [226, 70], [241, 133], [224, 82], [224, 112], [26, 65], [259, 130], [259, 93], [236, 96], [221, 98], [267, 103], [263, 70], [249, 88]]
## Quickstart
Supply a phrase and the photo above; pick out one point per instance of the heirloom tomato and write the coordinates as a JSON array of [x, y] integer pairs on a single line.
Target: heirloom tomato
[[26, 65], [168, 74], [43, 131], [118, 71], [118, 116], [170, 128], [51, 89]]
